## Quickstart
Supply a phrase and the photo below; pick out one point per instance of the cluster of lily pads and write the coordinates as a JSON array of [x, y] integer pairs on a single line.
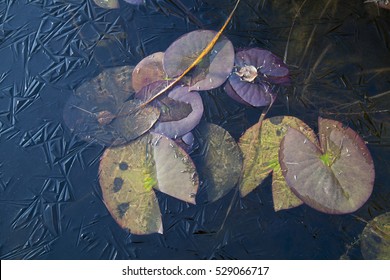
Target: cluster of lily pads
[[149, 119], [148, 141]]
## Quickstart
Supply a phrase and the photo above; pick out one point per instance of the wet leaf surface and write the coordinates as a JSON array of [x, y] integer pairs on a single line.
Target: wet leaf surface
[[375, 239], [255, 70], [174, 127], [181, 109], [220, 160], [337, 178], [128, 174], [98, 110], [212, 71], [260, 147], [148, 70]]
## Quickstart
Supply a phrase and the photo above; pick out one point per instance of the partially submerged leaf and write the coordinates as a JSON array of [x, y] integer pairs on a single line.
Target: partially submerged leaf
[[180, 111], [107, 4], [148, 70], [337, 178], [128, 174], [260, 147], [220, 161], [177, 127], [99, 109], [214, 68], [385, 4], [375, 239]]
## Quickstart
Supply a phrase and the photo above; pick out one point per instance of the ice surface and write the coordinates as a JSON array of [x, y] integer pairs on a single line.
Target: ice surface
[[338, 53]]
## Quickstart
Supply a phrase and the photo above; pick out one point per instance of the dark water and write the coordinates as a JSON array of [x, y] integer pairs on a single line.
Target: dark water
[[50, 200]]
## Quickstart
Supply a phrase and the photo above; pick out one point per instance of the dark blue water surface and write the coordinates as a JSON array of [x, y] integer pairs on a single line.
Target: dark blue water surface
[[338, 52]]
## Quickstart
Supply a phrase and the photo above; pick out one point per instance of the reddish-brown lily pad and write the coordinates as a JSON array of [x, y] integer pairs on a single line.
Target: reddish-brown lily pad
[[148, 70], [336, 177]]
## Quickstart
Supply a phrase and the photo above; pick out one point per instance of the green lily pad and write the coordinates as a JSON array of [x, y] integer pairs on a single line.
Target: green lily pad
[[260, 147], [102, 110], [220, 162], [128, 174], [375, 239], [335, 178]]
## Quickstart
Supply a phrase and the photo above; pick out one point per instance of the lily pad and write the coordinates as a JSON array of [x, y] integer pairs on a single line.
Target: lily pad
[[174, 128], [128, 174], [148, 70], [186, 142], [220, 162], [181, 110], [255, 71], [336, 177], [212, 71], [107, 4], [99, 110], [260, 147], [375, 239]]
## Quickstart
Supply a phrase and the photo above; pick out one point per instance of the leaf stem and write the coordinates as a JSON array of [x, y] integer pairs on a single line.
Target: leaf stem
[[202, 55]]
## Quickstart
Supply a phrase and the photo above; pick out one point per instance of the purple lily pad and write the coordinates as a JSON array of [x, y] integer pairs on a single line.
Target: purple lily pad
[[179, 127], [335, 178], [255, 71], [212, 71], [181, 110], [186, 142], [148, 70]]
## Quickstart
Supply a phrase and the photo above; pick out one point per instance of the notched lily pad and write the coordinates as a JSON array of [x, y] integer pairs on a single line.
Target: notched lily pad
[[255, 71], [375, 239], [335, 178], [260, 147], [220, 162], [128, 174], [212, 71], [181, 110], [101, 110], [176, 127]]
